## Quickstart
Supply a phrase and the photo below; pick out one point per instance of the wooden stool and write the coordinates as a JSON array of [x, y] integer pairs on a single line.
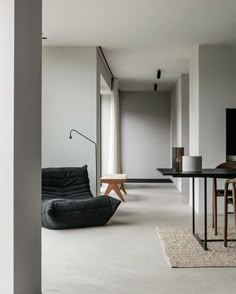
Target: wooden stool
[[116, 183]]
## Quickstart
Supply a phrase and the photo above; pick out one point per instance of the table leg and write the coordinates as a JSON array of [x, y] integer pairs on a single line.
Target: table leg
[[193, 204], [214, 206], [205, 213], [202, 242]]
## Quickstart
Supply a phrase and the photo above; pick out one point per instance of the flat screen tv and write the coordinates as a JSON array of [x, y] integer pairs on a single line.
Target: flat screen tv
[[231, 134]]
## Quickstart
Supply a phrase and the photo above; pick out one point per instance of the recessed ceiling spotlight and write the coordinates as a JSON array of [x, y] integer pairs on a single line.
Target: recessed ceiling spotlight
[[155, 87], [159, 74]]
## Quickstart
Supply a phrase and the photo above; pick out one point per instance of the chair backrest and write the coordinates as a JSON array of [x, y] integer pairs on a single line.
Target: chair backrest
[[65, 183], [229, 165]]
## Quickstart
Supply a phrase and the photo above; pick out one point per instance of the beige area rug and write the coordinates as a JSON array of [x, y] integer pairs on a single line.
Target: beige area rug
[[182, 250]]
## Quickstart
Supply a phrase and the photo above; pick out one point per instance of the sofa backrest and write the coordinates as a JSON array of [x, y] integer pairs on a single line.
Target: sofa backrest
[[65, 182]]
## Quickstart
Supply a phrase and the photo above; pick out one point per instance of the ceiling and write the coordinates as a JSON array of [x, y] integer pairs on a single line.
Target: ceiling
[[140, 36]]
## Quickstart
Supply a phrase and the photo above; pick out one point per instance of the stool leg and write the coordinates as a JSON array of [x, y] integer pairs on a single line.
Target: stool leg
[[117, 190], [234, 202], [108, 189], [122, 187], [225, 214]]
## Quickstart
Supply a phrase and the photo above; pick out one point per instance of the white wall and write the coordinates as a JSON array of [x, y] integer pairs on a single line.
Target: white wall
[[176, 115], [6, 149], [217, 91], [69, 102], [20, 149], [194, 117], [212, 90], [105, 131], [180, 122], [185, 112], [145, 133], [194, 103], [101, 70]]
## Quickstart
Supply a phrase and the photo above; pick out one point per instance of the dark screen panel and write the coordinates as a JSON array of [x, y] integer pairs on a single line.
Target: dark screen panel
[[231, 131]]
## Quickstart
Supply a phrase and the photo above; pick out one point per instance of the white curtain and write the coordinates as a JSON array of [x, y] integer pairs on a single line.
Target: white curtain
[[114, 158]]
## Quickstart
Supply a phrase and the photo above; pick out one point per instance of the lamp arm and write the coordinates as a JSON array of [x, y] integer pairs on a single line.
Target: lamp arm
[[95, 145], [73, 130]]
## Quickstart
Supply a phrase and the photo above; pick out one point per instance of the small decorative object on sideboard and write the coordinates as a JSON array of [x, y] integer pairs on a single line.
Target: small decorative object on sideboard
[[177, 154], [192, 163]]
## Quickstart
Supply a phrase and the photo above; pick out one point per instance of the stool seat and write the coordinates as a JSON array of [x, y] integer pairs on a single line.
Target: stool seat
[[113, 181]]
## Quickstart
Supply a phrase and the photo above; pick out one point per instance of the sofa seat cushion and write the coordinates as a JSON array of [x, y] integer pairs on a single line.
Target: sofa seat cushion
[[66, 213]]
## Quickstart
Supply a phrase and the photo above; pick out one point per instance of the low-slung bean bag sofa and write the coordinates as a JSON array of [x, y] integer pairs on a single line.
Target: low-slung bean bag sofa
[[67, 201]]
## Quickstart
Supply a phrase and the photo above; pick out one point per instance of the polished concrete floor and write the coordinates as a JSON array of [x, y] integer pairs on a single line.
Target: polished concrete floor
[[125, 256]]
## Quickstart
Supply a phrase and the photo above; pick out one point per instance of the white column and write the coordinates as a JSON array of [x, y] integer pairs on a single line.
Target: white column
[[20, 146], [212, 90], [180, 122]]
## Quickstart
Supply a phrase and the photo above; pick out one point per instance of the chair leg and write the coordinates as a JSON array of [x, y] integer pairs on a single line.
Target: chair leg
[[234, 202], [214, 207], [216, 219], [225, 214]]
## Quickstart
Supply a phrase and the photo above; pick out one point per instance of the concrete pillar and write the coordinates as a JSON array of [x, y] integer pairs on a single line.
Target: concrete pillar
[[212, 90], [20, 147]]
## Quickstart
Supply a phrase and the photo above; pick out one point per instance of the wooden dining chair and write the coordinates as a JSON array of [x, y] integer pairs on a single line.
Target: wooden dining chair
[[228, 199], [216, 192]]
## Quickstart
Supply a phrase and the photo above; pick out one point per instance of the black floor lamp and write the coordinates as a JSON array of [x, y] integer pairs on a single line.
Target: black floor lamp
[[95, 145]]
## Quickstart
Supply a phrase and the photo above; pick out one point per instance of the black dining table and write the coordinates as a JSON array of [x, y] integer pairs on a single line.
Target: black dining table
[[205, 174]]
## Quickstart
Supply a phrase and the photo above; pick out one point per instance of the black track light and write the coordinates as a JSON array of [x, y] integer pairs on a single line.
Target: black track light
[[44, 38], [155, 87], [159, 74]]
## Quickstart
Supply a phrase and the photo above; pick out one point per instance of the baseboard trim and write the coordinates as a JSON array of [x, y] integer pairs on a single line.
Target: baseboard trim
[[133, 180]]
